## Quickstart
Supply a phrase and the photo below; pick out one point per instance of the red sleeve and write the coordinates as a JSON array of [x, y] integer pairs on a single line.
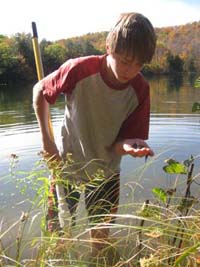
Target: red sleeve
[[66, 77], [137, 124], [58, 82]]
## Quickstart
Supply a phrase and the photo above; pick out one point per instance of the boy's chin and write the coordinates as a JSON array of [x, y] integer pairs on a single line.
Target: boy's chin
[[124, 80]]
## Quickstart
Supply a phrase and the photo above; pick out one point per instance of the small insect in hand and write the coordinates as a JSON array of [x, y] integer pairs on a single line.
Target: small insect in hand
[[136, 146]]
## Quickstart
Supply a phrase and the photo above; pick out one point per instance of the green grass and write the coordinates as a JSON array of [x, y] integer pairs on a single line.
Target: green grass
[[162, 231]]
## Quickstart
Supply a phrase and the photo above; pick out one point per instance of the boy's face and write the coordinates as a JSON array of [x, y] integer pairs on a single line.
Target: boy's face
[[123, 68]]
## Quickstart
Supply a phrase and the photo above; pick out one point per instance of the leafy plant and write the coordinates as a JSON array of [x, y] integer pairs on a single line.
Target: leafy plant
[[165, 221]]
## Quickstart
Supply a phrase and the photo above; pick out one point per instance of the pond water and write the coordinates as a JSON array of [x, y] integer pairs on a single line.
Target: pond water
[[174, 133]]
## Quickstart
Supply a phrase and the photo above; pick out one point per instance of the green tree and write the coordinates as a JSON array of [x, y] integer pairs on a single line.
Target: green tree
[[73, 48], [24, 49], [89, 49], [10, 62], [54, 55]]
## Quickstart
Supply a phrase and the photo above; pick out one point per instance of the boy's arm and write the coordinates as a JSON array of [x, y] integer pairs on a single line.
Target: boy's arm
[[41, 108], [136, 125], [134, 147]]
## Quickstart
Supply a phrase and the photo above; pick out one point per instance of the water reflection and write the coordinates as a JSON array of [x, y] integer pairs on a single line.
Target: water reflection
[[192, 78], [16, 104], [168, 97], [175, 82]]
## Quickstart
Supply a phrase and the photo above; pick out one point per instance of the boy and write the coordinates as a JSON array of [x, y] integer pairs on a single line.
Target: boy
[[106, 115]]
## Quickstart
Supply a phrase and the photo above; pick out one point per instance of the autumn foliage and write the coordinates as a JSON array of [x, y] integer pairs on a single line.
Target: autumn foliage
[[177, 52]]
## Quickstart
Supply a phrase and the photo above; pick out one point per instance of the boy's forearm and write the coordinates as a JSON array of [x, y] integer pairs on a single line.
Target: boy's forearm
[[41, 108]]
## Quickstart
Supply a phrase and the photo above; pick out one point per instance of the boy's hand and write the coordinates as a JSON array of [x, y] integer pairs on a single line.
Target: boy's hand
[[133, 147], [50, 151]]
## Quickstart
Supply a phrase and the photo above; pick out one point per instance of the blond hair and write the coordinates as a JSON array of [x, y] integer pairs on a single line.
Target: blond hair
[[134, 36]]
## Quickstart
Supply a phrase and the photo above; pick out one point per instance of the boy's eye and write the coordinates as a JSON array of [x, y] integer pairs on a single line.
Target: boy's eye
[[137, 64], [124, 62]]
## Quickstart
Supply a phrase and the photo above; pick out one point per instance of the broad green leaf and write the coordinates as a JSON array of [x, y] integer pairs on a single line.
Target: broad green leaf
[[175, 167], [196, 107], [160, 194]]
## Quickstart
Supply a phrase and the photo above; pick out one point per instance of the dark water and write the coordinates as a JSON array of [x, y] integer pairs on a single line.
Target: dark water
[[174, 133]]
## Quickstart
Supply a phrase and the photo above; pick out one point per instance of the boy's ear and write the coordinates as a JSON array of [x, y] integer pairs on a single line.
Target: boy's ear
[[107, 49]]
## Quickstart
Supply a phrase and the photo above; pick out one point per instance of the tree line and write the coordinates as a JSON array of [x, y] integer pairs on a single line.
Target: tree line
[[17, 56], [173, 53]]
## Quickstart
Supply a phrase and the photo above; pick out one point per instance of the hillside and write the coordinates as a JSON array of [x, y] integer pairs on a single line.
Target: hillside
[[178, 51], [183, 41]]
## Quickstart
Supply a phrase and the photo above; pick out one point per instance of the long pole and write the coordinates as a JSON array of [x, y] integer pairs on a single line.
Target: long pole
[[39, 67], [52, 213], [37, 54]]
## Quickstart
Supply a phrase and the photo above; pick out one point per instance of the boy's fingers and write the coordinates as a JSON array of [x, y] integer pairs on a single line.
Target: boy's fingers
[[51, 159], [142, 150], [138, 150]]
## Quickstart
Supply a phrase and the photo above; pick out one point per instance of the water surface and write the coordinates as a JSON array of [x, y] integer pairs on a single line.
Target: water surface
[[174, 132]]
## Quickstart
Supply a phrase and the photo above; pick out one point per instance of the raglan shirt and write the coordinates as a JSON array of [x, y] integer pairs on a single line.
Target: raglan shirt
[[96, 114]]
